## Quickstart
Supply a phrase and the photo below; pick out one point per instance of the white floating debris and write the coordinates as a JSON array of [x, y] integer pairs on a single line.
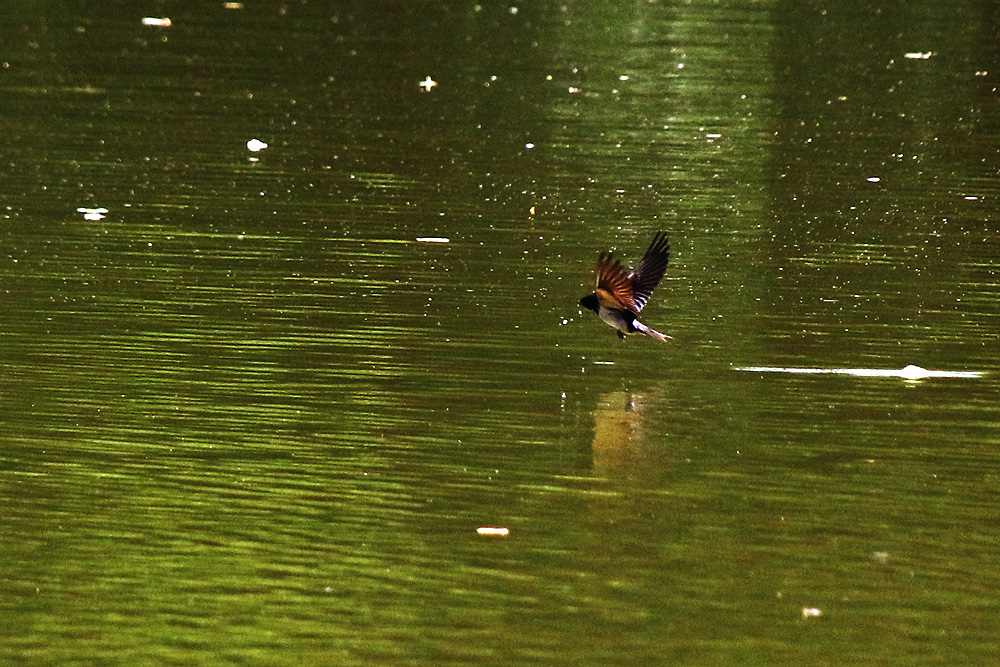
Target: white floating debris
[[911, 372], [232, 5], [433, 239], [811, 612], [427, 84], [159, 22], [873, 179], [493, 530], [917, 55], [529, 145], [92, 213], [256, 145]]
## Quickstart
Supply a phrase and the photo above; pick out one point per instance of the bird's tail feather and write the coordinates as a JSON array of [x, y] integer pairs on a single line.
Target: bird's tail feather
[[652, 333]]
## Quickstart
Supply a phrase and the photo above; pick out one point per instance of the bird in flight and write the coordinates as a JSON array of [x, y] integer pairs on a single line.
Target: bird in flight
[[621, 295]]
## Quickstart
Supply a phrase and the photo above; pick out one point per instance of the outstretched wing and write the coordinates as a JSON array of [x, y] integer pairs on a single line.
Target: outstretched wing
[[614, 288], [650, 270]]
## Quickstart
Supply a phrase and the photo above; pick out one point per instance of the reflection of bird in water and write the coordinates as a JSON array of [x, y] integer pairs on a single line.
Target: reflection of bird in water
[[618, 433], [620, 296]]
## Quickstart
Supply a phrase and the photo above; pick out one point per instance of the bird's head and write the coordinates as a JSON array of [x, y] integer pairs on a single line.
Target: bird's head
[[590, 301]]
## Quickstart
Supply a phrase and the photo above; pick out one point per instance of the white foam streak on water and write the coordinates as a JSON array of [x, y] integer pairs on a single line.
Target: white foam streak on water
[[910, 372]]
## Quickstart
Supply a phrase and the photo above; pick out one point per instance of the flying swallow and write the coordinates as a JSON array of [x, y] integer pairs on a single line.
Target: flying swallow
[[621, 295]]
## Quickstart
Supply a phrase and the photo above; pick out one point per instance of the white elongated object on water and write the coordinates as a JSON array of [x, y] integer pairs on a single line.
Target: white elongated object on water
[[911, 372]]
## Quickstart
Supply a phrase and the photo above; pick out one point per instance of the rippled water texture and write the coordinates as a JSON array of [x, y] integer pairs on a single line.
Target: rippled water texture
[[257, 404]]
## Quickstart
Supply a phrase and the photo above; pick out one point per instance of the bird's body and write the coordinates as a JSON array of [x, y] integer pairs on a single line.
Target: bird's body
[[621, 295]]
